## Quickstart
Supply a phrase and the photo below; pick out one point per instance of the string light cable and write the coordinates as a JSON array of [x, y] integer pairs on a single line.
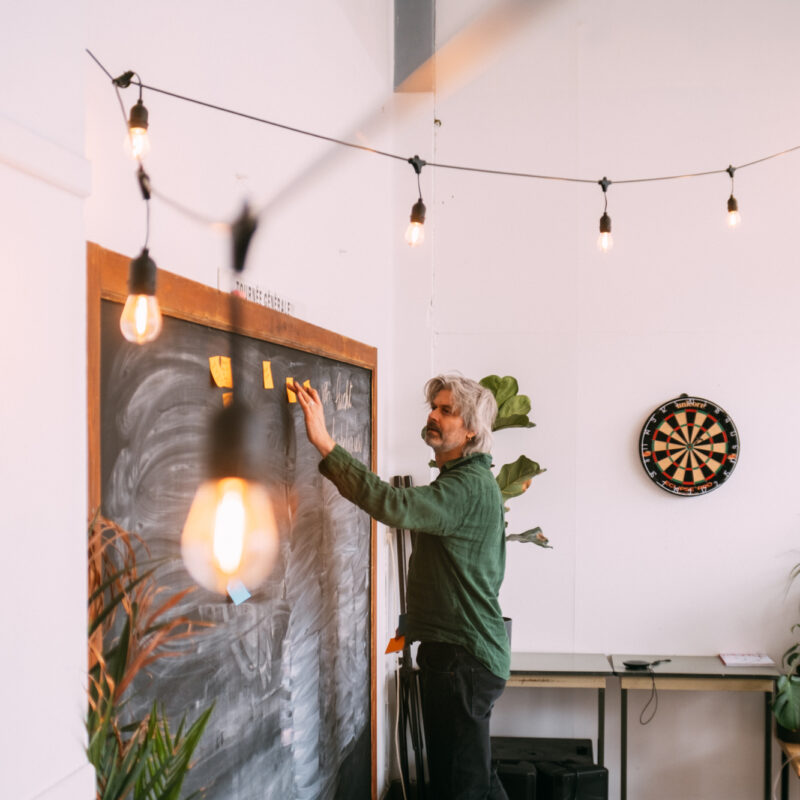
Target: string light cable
[[141, 320], [127, 79]]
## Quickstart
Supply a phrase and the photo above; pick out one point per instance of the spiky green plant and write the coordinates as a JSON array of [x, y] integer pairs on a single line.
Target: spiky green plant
[[129, 629]]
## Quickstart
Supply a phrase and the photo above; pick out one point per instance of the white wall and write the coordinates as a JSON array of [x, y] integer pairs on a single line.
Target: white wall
[[44, 178], [682, 304], [508, 282], [326, 237]]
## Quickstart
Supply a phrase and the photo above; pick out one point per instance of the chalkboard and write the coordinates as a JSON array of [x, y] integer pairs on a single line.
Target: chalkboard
[[291, 671]]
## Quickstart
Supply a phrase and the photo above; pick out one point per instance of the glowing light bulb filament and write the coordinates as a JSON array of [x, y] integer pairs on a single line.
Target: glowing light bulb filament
[[141, 319], [229, 527], [415, 234], [140, 142]]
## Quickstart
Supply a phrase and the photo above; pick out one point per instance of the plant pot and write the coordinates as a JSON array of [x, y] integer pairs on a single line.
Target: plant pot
[[787, 734]]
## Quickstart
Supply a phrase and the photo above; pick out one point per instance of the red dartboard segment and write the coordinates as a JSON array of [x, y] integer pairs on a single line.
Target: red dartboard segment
[[689, 446]]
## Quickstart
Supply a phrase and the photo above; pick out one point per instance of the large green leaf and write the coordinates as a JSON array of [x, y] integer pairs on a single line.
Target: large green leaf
[[514, 421], [518, 404], [514, 479], [501, 388], [534, 536], [786, 705]]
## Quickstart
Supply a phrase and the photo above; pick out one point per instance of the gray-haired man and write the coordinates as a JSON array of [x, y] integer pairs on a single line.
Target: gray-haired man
[[455, 572]]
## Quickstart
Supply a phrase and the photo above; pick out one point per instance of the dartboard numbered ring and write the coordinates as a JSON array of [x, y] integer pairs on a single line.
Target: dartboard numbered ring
[[689, 446]]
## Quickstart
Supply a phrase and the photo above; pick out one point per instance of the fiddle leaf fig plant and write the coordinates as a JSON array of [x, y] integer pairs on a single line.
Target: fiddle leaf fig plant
[[786, 705], [786, 702], [514, 479]]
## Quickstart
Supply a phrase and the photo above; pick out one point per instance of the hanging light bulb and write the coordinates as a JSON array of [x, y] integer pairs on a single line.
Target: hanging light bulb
[[734, 217], [605, 241], [141, 317], [230, 537], [415, 232], [138, 140]]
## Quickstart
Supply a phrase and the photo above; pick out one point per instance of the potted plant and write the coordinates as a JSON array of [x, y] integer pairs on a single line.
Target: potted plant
[[514, 479], [786, 703], [129, 626]]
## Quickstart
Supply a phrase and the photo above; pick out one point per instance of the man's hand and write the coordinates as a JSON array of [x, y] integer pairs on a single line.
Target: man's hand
[[315, 418]]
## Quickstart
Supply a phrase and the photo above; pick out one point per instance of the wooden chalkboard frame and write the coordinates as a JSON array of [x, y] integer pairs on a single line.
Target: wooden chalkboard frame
[[179, 297]]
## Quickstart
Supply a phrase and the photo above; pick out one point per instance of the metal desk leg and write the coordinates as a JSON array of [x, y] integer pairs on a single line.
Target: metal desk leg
[[601, 725], [767, 746], [784, 768], [623, 752]]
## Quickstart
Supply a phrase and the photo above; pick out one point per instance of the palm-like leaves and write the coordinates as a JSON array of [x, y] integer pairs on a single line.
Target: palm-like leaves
[[129, 629]]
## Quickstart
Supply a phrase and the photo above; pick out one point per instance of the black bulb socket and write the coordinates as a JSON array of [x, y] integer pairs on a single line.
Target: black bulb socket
[[605, 223], [732, 205], [418, 212], [142, 274], [138, 117], [235, 435]]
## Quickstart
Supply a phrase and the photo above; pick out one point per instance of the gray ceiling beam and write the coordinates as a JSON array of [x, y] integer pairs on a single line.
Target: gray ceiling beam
[[413, 45]]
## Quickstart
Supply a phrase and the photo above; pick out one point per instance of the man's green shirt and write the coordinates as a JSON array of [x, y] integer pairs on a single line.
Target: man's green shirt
[[459, 555]]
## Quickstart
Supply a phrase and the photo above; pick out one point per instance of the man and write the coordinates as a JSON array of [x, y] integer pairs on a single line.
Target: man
[[455, 572]]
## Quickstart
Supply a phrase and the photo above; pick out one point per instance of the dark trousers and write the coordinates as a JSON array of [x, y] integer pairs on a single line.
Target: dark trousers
[[458, 694]]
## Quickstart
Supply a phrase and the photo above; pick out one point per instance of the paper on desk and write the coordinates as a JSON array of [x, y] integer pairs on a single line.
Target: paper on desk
[[746, 660]]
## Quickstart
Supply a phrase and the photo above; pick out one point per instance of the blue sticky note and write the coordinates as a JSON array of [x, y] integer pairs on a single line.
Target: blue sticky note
[[237, 591]]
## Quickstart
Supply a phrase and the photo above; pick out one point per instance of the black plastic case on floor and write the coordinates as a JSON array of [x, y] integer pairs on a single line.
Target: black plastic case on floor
[[518, 748], [570, 781], [518, 779], [548, 769]]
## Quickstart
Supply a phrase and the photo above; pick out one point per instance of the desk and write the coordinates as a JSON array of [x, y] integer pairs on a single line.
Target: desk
[[695, 674], [565, 671]]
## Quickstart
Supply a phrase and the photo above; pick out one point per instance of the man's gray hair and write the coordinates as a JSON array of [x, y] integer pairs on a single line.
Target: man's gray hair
[[473, 402]]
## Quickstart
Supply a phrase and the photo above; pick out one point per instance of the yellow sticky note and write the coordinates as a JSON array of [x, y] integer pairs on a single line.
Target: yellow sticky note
[[307, 384], [221, 371], [268, 383], [227, 398], [289, 393]]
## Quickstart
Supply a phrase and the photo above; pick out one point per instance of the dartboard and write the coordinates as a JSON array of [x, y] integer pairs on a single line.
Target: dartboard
[[689, 446]]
